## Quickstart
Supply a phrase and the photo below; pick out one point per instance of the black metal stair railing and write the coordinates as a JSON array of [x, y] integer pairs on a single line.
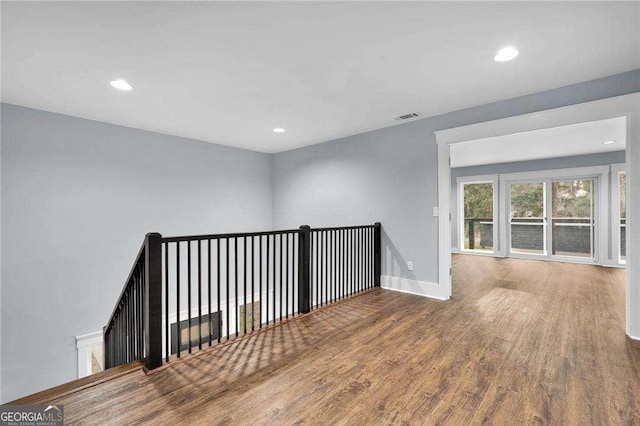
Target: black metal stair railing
[[342, 262], [193, 291], [127, 333]]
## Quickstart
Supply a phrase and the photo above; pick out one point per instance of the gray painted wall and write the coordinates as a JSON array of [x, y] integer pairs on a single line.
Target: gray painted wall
[[601, 159], [77, 198], [390, 175], [78, 195]]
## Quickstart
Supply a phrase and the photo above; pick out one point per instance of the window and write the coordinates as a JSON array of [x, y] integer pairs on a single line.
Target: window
[[545, 214], [572, 218], [553, 218], [622, 228], [477, 228], [528, 222]]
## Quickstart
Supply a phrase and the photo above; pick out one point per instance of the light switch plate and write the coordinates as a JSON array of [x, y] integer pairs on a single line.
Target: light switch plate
[[410, 265]]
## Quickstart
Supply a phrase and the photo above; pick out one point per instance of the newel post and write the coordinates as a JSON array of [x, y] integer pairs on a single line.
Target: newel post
[[153, 300], [377, 253], [304, 269]]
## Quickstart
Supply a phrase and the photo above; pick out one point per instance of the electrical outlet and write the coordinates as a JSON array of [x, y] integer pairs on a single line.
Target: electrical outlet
[[410, 265]]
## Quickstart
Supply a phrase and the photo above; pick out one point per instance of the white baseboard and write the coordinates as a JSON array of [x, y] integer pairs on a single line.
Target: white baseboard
[[419, 288]]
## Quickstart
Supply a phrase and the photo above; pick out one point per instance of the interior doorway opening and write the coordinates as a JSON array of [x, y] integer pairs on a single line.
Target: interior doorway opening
[[562, 207], [521, 130]]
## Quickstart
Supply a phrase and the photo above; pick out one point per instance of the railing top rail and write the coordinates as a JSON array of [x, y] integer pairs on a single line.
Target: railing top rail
[[337, 228], [126, 283], [230, 235]]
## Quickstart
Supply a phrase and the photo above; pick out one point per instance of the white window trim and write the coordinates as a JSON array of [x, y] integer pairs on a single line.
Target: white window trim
[[616, 169], [464, 180], [501, 201], [601, 214]]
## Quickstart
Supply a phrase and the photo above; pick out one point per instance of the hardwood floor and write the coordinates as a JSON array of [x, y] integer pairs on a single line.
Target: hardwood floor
[[521, 342]]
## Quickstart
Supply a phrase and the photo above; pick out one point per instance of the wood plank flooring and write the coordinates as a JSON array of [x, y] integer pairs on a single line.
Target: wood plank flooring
[[521, 342]]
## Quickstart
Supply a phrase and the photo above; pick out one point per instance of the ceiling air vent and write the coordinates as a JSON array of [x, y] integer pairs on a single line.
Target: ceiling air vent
[[408, 116]]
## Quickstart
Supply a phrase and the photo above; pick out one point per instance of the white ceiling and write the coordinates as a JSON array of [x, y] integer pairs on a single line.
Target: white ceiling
[[563, 141], [230, 72]]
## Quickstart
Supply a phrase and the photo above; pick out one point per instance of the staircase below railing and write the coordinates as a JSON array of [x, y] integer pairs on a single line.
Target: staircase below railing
[[186, 292]]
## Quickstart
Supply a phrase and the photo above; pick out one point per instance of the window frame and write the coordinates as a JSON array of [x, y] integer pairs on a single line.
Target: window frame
[[616, 171], [501, 211], [468, 180]]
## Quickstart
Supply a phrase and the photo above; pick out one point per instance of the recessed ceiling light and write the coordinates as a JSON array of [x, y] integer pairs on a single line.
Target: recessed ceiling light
[[121, 85], [279, 130], [506, 54], [608, 142]]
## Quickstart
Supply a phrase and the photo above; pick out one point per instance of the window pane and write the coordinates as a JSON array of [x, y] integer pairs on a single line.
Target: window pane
[[572, 218], [623, 215], [478, 216], [527, 218]]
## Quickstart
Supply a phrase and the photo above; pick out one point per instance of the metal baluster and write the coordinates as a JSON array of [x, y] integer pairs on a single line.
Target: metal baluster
[[260, 275], [126, 326], [199, 294], [266, 302], [120, 336], [189, 290], [244, 278], [370, 258], [116, 339], [139, 324], [178, 333], [354, 270], [166, 305], [340, 264], [316, 236], [322, 266], [357, 259], [131, 337], [360, 246], [343, 264], [130, 322], [218, 298], [286, 286], [235, 279], [327, 272], [329, 266], [334, 254], [356, 265], [142, 283], [348, 261], [227, 278], [209, 289], [281, 259], [366, 258], [294, 274], [274, 278], [253, 266]]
